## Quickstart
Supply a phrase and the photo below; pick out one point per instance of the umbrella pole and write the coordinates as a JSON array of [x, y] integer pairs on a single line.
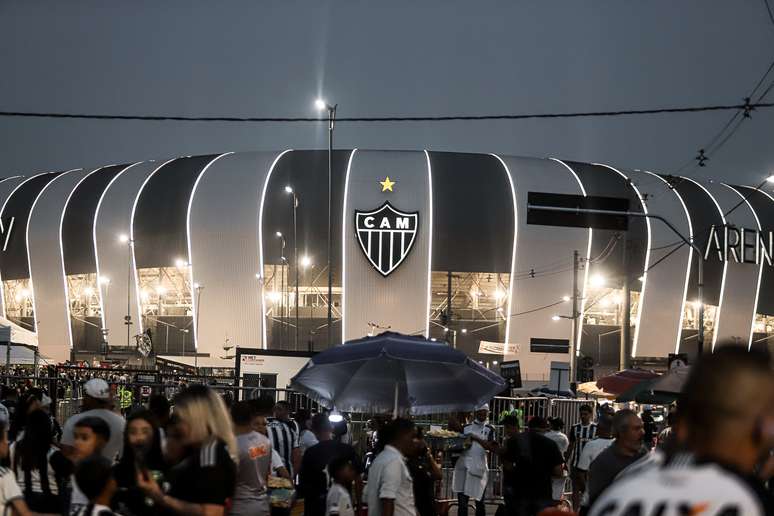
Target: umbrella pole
[[395, 407]]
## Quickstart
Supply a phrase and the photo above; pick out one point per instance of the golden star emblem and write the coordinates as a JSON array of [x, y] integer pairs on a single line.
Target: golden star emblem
[[387, 184]]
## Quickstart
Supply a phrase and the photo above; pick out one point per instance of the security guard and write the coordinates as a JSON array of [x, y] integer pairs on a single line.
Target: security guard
[[471, 471]]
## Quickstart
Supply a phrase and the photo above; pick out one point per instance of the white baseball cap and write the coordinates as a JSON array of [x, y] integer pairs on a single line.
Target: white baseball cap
[[97, 388], [485, 406]]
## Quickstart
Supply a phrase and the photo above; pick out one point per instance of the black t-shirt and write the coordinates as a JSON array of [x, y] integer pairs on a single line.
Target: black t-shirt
[[313, 481], [649, 425], [606, 467], [206, 476], [424, 485], [533, 457]]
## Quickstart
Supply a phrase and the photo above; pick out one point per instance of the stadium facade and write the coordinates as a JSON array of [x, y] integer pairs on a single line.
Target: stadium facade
[[424, 242]]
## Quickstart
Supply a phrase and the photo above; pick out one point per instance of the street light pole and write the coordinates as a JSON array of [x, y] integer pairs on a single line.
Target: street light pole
[[124, 239], [283, 283], [199, 289], [292, 192], [321, 104]]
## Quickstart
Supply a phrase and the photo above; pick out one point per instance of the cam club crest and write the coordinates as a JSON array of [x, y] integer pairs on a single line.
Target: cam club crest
[[386, 236]]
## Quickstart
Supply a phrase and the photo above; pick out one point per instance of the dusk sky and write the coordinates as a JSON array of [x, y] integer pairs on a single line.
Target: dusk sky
[[272, 58]]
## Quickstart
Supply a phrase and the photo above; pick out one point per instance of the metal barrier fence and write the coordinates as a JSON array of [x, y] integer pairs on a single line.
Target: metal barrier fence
[[67, 394]]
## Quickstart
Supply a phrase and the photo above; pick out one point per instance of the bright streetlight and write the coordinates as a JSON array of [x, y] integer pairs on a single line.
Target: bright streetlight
[[180, 263], [278, 234], [104, 280], [770, 179], [597, 281], [464, 330], [123, 238], [306, 261], [565, 298], [320, 104], [288, 189], [555, 318]]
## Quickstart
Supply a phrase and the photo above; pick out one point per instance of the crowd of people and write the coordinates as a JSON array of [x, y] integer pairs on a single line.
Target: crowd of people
[[201, 454]]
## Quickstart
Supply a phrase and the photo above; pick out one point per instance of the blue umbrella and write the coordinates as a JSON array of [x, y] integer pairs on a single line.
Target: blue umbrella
[[396, 373]]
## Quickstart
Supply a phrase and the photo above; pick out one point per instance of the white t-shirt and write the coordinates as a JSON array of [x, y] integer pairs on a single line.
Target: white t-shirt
[[307, 440], [338, 501], [561, 440], [9, 489], [389, 478], [705, 489], [114, 421], [590, 452]]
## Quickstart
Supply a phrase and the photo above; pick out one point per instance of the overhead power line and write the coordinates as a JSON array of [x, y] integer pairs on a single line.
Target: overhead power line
[[442, 118]]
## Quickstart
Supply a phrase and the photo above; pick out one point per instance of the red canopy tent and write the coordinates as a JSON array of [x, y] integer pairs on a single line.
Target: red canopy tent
[[622, 381]]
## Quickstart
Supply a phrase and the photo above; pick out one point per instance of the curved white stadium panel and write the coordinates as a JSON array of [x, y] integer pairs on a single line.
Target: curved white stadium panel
[[744, 198], [113, 258], [223, 226], [739, 290], [52, 315], [388, 288], [660, 321], [548, 252], [7, 186]]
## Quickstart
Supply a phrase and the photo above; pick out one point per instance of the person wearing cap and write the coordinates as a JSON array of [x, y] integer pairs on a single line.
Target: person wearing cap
[[97, 402], [472, 471]]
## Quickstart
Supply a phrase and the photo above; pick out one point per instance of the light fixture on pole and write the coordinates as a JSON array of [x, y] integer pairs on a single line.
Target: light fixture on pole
[[322, 105], [294, 197]]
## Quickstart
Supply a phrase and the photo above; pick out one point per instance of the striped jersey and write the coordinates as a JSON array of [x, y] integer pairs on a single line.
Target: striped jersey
[[684, 486], [284, 439], [579, 435], [42, 488]]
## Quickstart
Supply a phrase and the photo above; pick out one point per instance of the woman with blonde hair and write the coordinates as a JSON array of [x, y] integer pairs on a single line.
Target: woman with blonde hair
[[203, 481]]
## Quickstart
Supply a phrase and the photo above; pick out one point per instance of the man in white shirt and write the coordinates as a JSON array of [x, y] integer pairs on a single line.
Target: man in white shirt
[[390, 489], [590, 452], [97, 402], [556, 434], [471, 472], [727, 434]]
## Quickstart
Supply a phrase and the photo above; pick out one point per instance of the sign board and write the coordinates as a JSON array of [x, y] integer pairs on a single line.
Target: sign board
[[285, 367], [511, 371], [546, 217], [537, 345], [560, 376], [493, 348], [146, 378], [740, 245]]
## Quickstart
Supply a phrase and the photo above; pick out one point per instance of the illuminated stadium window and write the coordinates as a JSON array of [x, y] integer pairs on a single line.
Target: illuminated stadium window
[[18, 303], [167, 309], [479, 305], [280, 305]]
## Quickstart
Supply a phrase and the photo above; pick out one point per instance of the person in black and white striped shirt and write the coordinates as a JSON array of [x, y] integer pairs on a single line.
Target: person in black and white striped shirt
[[580, 434], [284, 434], [10, 494]]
